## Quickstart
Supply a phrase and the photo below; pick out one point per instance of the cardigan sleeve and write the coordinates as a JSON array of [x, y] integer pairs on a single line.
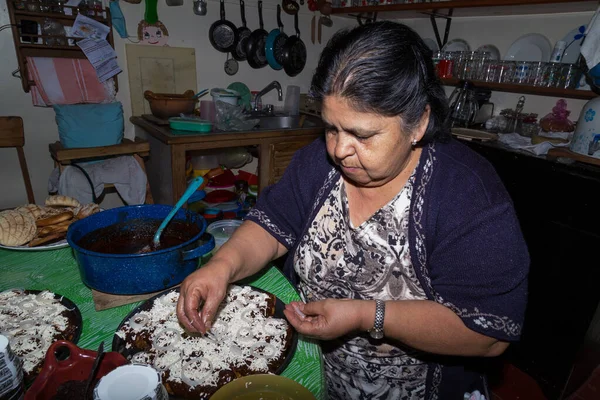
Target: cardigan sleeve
[[282, 208], [477, 259], [479, 271]]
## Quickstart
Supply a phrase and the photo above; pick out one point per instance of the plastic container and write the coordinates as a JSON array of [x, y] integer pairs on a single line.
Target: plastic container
[[186, 125], [291, 106], [222, 230]]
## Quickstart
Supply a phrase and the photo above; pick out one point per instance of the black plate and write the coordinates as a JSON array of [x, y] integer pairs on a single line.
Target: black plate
[[118, 344], [72, 307]]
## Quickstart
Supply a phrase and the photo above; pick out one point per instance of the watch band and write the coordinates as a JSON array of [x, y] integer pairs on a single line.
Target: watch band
[[377, 331]]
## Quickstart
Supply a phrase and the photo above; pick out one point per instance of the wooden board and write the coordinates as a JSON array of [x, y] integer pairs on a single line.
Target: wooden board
[[159, 69], [473, 134], [565, 152], [104, 301]]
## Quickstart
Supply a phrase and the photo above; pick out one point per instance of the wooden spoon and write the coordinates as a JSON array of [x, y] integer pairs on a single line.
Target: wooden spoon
[[312, 29]]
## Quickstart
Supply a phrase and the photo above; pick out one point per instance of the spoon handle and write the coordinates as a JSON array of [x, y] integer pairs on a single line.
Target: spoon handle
[[193, 186]]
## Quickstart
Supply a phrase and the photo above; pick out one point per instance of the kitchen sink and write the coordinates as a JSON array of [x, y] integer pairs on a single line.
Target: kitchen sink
[[284, 122]]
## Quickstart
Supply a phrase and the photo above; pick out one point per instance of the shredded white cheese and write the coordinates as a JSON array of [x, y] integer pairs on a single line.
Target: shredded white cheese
[[244, 338], [31, 322]]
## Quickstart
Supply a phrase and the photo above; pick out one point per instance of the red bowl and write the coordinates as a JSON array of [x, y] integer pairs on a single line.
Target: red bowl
[[66, 362]]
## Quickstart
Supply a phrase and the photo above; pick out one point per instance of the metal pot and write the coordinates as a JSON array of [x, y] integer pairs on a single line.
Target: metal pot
[[138, 273]]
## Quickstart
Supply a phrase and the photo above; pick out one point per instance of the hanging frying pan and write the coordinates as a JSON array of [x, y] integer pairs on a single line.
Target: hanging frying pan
[[274, 44], [239, 53], [223, 34], [294, 52], [255, 48]]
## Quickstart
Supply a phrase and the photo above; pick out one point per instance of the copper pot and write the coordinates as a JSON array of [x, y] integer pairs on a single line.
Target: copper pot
[[166, 105]]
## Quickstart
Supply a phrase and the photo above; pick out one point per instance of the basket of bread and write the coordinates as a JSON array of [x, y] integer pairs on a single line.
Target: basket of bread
[[33, 226]]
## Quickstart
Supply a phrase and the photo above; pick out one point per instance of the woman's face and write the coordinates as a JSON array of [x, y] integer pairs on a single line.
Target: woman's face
[[370, 149]]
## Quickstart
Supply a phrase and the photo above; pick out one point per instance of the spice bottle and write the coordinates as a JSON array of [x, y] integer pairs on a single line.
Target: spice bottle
[[11, 373]]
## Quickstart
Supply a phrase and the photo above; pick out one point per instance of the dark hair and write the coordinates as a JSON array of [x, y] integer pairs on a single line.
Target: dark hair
[[385, 68]]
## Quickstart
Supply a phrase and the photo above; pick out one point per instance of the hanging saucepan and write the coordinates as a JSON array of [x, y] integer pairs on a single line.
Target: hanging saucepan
[[255, 48], [239, 53], [294, 52], [274, 44], [223, 34]]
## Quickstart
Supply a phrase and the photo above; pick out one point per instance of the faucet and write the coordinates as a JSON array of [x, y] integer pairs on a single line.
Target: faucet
[[267, 89]]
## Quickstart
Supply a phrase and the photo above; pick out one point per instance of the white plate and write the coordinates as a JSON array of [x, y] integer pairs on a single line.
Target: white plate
[[490, 48], [432, 44], [53, 246], [457, 45], [530, 47], [573, 49]]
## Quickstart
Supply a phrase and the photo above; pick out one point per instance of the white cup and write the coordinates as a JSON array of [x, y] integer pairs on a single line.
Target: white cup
[[131, 382]]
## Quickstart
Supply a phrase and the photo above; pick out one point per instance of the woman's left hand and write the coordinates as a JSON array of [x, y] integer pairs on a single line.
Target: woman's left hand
[[327, 319]]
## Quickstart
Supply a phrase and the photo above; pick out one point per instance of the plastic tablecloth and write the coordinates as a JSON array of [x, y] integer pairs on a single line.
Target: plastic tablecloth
[[57, 271]]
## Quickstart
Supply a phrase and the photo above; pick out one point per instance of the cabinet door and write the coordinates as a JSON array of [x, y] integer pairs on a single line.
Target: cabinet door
[[281, 156]]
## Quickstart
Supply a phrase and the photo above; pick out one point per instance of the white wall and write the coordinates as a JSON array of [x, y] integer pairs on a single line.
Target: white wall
[[185, 30], [502, 32]]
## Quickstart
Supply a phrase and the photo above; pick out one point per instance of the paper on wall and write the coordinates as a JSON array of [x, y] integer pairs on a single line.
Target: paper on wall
[[102, 57], [86, 27]]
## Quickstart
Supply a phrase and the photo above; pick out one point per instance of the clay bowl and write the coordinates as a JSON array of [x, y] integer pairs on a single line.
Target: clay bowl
[[65, 362], [167, 105]]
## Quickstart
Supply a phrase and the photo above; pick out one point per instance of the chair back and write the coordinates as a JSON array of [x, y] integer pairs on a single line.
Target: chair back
[[11, 132], [12, 135]]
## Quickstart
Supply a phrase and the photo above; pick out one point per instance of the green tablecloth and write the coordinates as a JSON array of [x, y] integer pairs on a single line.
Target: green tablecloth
[[57, 271]]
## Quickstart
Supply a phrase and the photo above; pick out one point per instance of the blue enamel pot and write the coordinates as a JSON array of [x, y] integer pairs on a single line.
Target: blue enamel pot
[[138, 273]]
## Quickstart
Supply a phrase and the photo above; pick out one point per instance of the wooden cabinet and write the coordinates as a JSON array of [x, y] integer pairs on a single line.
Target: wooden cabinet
[[166, 166], [27, 18], [559, 219]]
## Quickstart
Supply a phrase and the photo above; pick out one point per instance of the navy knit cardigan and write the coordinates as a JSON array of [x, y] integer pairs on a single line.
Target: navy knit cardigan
[[465, 241]]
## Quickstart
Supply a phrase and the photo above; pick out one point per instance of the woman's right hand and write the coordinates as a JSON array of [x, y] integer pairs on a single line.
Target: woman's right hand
[[200, 295]]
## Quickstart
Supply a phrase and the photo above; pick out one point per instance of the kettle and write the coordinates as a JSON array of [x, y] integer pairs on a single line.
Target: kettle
[[586, 138], [463, 105]]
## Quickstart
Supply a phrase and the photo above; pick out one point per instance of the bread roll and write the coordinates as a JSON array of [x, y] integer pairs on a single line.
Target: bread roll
[[62, 201], [16, 228], [33, 209], [87, 210]]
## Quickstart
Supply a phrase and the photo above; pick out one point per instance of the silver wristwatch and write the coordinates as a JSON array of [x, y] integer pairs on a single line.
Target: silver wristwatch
[[377, 331]]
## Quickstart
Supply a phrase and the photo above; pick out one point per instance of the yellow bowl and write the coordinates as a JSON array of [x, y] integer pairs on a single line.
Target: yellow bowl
[[263, 386]]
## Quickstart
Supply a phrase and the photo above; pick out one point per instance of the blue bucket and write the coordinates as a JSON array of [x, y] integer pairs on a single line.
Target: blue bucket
[[138, 273]]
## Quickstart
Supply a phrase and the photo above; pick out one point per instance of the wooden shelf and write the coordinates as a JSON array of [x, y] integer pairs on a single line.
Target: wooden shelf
[[470, 8], [528, 89], [26, 49]]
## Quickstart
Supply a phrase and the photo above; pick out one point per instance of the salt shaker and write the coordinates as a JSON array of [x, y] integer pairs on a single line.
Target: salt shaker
[[11, 373]]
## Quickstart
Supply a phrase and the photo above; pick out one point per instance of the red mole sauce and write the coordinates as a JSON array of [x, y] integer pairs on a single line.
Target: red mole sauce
[[135, 236]]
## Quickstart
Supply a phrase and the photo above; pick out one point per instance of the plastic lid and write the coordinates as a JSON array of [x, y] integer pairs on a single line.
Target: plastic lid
[[222, 230]]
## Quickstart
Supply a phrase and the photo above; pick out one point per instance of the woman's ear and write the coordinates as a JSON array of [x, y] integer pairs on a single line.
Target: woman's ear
[[423, 123]]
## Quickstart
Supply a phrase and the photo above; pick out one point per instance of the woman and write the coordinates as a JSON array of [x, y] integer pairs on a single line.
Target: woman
[[403, 242]]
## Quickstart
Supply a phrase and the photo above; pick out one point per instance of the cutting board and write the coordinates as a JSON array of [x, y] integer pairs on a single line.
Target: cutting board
[[565, 152], [159, 69], [104, 301]]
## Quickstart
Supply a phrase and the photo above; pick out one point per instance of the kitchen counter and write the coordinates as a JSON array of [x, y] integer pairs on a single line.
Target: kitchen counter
[[57, 271], [167, 163]]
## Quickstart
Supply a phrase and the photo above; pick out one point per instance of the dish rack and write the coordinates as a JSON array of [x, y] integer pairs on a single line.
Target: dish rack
[[27, 18]]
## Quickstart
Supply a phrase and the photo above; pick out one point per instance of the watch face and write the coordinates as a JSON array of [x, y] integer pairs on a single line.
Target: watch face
[[376, 334]]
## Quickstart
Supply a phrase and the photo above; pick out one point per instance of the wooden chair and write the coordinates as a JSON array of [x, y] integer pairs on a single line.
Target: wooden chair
[[12, 135], [138, 148]]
